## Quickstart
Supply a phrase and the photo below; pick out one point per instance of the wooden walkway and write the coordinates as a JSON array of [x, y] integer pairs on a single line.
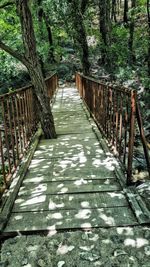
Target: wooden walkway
[[71, 182]]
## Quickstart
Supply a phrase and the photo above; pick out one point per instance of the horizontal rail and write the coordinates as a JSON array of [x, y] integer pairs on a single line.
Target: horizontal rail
[[122, 89], [47, 79], [115, 112], [18, 124]]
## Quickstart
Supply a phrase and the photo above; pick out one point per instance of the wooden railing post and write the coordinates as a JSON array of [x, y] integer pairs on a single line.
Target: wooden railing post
[[2, 159], [131, 137], [143, 139], [19, 122], [115, 110]]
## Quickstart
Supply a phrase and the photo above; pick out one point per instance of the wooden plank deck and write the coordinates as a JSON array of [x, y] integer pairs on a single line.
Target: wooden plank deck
[[71, 182]]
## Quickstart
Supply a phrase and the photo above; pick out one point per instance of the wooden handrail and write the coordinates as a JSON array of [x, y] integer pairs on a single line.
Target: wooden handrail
[[19, 123], [116, 112], [26, 87], [122, 89], [143, 139]]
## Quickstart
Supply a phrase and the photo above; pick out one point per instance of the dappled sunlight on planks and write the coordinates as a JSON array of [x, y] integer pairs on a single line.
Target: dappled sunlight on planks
[[71, 182]]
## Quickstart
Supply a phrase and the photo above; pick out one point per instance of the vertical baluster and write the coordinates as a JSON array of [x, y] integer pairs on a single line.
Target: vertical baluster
[[18, 124], [88, 94], [91, 97], [32, 111], [142, 135], [80, 84], [114, 117], [101, 94], [120, 125], [21, 120], [26, 116], [110, 115], [87, 89], [11, 131], [28, 111], [126, 128], [2, 159], [95, 95], [116, 123], [6, 133], [106, 108], [34, 114], [84, 85], [97, 104], [15, 128], [131, 137], [102, 118]]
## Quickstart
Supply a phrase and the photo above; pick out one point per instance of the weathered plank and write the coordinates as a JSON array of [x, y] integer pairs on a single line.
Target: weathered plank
[[67, 187], [17, 181], [49, 174], [69, 201], [70, 219], [71, 182]]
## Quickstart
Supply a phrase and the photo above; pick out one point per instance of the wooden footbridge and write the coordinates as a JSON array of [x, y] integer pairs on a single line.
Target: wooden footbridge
[[74, 181]]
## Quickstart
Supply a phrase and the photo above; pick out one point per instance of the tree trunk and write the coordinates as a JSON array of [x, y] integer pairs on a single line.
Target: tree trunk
[[148, 15], [43, 105], [42, 16], [114, 10], [132, 57], [125, 15], [80, 36], [50, 39], [84, 4], [34, 68], [104, 23]]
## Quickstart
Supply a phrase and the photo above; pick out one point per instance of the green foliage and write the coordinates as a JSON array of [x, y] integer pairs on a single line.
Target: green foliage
[[10, 30], [12, 73], [119, 46], [60, 18]]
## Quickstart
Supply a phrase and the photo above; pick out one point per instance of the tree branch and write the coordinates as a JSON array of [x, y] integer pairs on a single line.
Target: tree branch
[[12, 52], [84, 4], [7, 4], [148, 12]]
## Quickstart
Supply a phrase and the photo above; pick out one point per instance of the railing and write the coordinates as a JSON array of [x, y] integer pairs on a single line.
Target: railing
[[115, 111], [18, 124]]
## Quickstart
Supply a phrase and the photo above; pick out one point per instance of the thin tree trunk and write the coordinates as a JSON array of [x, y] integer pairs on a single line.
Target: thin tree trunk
[[50, 38], [84, 4], [104, 21], [34, 68], [114, 10], [43, 105], [132, 57], [125, 15], [118, 7], [42, 16], [80, 36], [148, 15]]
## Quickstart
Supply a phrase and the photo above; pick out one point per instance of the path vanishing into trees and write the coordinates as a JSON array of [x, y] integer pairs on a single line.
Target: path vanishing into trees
[[73, 182]]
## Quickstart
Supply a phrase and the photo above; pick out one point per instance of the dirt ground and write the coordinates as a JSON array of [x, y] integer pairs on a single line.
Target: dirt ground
[[112, 247]]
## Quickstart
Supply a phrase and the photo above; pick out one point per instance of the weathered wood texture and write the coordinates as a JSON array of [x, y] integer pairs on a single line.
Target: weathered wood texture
[[71, 182]]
